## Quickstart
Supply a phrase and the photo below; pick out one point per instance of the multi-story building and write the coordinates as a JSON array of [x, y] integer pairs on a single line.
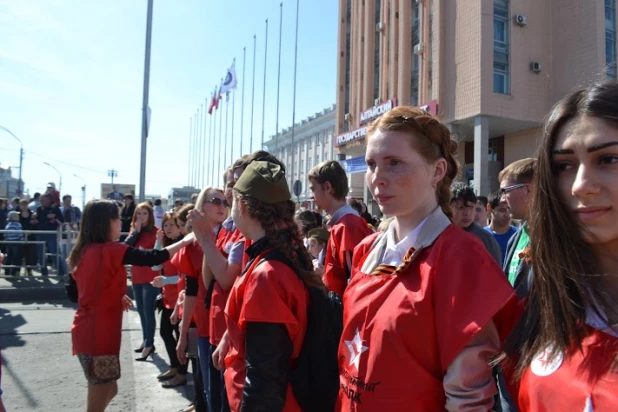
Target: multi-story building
[[9, 185], [183, 193], [489, 69], [310, 143]]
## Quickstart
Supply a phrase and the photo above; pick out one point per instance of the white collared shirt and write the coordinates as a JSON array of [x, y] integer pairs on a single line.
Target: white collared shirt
[[396, 251]]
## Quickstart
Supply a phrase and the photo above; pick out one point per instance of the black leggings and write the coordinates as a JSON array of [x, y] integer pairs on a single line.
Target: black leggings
[[169, 334]]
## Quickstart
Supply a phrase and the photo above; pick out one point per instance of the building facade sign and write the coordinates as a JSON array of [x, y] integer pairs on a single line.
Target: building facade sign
[[430, 107], [354, 165], [377, 111], [351, 136]]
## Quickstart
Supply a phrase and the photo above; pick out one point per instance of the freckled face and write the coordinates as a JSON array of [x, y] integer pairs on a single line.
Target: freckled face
[[400, 179]]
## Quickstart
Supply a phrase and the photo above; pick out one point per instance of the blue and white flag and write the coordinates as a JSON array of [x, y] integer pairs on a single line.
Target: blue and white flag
[[230, 82]]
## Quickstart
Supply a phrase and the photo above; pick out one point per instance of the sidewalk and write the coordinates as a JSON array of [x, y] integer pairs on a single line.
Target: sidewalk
[[39, 373], [21, 288]]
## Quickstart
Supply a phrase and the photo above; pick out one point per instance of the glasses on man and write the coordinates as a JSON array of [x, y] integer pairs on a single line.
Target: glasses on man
[[218, 202], [505, 190]]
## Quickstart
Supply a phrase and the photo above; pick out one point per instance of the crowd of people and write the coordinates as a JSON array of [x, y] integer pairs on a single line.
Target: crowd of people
[[444, 305]]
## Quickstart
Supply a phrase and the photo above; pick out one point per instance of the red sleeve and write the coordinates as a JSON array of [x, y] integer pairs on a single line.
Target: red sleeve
[[466, 295], [271, 294], [183, 262], [196, 256]]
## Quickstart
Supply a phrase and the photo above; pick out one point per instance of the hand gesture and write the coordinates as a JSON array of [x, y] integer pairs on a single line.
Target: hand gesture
[[138, 225], [127, 303], [160, 236], [202, 226], [157, 282]]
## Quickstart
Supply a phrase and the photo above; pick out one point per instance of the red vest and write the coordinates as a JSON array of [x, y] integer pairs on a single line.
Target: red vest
[[345, 235], [190, 263], [270, 292], [170, 292], [402, 331], [101, 283], [225, 240], [584, 381], [144, 274]]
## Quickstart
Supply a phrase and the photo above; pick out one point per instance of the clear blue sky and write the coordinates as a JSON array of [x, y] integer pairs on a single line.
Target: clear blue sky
[[71, 81]]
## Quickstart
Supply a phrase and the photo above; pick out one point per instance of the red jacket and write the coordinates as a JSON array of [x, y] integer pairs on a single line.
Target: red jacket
[[190, 263], [270, 292], [102, 282], [580, 381], [225, 240], [345, 235], [403, 330], [142, 274]]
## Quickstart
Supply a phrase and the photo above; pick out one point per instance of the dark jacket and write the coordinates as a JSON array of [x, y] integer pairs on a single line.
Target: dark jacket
[[492, 245], [524, 271], [46, 223], [126, 216]]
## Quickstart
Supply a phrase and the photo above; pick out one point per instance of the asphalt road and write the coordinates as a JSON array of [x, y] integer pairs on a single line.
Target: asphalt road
[[40, 374]]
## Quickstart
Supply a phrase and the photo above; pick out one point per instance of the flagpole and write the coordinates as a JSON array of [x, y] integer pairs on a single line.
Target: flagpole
[[264, 94], [211, 143], [252, 97], [220, 136], [232, 139], [204, 182], [146, 92], [294, 98], [199, 146], [227, 104], [279, 76], [242, 103], [189, 163], [214, 138], [194, 152]]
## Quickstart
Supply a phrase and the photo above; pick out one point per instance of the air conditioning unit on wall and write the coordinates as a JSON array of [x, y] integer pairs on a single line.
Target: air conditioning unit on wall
[[380, 26], [347, 117], [418, 49], [535, 67], [520, 20], [376, 102]]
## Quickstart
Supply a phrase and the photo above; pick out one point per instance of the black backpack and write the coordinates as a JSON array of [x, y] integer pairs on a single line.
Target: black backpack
[[315, 377]]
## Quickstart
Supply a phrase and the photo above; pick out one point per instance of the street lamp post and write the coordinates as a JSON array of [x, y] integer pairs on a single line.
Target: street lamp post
[[83, 191], [59, 175], [21, 159]]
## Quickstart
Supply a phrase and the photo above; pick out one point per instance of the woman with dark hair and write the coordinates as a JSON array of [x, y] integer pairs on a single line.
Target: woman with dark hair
[[307, 220], [126, 216], [144, 236], [97, 263], [567, 339], [266, 313], [421, 321]]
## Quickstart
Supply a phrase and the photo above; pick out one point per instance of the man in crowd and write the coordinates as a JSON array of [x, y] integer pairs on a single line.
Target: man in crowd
[[463, 201], [159, 213], [516, 191], [70, 213], [35, 202], [329, 184], [115, 194], [480, 211], [48, 217], [3, 218], [500, 226]]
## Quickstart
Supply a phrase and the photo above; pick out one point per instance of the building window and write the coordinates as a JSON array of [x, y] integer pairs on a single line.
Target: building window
[[416, 20], [376, 54], [501, 46], [610, 39]]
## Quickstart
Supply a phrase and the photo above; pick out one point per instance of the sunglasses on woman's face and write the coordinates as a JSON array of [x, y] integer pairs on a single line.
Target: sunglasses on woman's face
[[218, 202]]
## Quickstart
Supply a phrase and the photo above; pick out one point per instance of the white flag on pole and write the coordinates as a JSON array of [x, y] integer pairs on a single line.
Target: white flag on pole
[[230, 82]]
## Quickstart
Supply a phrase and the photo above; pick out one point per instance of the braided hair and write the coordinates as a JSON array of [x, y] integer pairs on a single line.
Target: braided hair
[[430, 138], [272, 218]]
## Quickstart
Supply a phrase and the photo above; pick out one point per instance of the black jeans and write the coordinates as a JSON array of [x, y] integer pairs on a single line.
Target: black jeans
[[199, 401], [169, 334], [13, 257]]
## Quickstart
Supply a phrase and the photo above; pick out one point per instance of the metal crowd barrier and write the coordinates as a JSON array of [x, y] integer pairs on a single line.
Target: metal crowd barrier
[[65, 240]]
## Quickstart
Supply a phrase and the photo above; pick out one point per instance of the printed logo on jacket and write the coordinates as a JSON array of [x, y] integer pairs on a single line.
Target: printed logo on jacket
[[356, 385]]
